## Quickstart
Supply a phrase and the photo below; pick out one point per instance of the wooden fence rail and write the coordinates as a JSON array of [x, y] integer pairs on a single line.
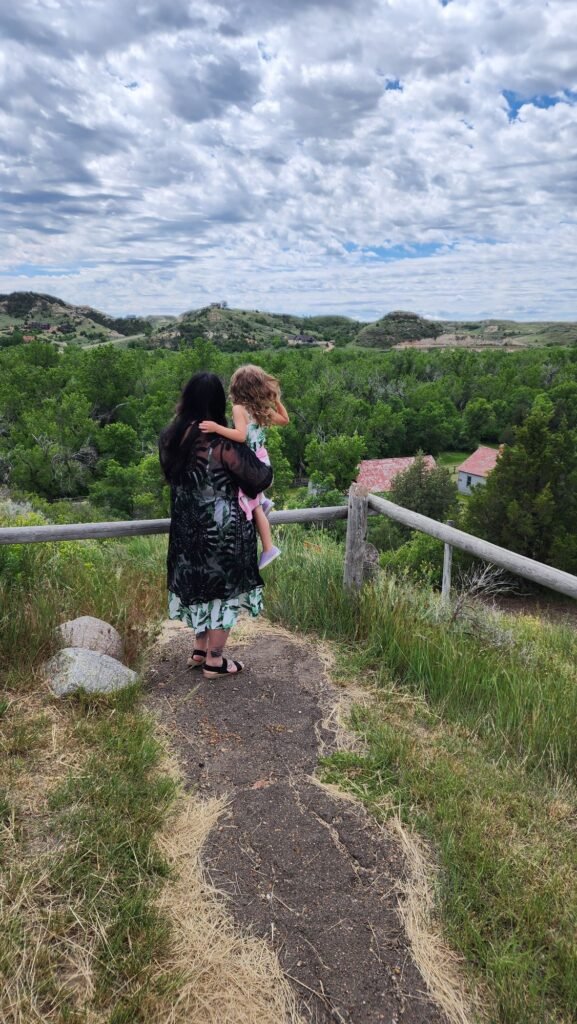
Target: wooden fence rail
[[360, 504], [520, 565], [141, 527]]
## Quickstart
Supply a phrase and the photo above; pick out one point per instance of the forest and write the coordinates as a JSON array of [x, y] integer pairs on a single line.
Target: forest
[[79, 430]]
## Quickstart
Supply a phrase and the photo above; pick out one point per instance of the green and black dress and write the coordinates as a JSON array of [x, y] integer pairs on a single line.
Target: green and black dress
[[212, 553]]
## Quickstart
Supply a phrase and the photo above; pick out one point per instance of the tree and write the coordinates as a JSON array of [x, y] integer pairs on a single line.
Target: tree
[[529, 503], [428, 491], [118, 441], [338, 458], [283, 474], [479, 421]]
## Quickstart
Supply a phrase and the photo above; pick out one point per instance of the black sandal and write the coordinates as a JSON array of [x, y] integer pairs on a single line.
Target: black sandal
[[211, 671], [196, 664]]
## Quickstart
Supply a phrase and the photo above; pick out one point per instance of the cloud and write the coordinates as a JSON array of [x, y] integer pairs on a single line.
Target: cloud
[[289, 154]]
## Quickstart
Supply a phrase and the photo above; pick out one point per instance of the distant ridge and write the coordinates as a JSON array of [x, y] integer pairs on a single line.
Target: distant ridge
[[48, 317]]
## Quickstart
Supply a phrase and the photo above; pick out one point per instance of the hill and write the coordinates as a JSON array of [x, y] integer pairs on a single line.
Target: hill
[[35, 314], [239, 329], [397, 327], [27, 315]]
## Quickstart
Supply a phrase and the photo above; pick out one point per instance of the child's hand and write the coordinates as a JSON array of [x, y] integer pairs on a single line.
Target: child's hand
[[208, 426]]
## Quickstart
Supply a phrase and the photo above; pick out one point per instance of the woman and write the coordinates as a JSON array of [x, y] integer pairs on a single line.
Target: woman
[[212, 553]]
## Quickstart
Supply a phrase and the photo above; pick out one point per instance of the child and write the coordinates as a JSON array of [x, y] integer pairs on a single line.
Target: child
[[256, 404]]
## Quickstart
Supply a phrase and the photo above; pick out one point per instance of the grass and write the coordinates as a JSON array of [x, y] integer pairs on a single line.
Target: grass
[[81, 934], [515, 686], [106, 916], [451, 461], [122, 583], [80, 928], [471, 737]]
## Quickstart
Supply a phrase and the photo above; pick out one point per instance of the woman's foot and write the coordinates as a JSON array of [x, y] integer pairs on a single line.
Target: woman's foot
[[268, 556], [198, 656], [226, 667]]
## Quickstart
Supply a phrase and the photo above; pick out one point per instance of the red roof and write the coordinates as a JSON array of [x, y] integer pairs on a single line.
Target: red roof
[[481, 462], [379, 474]]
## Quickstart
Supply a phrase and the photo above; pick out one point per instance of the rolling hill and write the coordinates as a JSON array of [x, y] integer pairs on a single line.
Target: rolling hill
[[31, 315]]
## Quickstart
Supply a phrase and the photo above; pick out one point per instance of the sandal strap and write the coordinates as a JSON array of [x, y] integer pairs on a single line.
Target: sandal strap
[[222, 670], [198, 650]]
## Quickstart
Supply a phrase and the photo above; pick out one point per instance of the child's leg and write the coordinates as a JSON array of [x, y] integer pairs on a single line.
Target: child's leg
[[269, 551], [263, 528]]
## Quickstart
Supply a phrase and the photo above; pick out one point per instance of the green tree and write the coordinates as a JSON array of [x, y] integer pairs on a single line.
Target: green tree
[[338, 457], [283, 474], [118, 441], [479, 423], [529, 503], [428, 491]]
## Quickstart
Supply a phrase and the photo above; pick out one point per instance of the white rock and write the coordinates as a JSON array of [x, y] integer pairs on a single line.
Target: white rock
[[75, 668], [94, 634]]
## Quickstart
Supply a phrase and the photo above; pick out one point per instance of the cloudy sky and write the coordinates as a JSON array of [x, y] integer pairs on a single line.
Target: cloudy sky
[[308, 156]]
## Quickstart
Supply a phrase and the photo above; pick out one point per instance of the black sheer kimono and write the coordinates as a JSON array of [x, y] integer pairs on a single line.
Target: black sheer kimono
[[212, 551]]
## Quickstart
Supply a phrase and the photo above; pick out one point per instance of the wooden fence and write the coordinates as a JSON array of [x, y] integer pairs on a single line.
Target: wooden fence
[[361, 504]]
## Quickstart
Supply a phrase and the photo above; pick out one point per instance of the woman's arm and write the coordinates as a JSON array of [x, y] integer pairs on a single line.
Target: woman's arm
[[245, 469], [280, 416], [238, 433]]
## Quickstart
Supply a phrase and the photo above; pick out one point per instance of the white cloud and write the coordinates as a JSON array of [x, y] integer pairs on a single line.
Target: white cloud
[[163, 154]]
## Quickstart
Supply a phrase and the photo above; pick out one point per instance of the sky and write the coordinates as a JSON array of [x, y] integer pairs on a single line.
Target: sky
[[298, 156]]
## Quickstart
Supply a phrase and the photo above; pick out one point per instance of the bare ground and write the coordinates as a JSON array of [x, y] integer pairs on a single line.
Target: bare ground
[[306, 870]]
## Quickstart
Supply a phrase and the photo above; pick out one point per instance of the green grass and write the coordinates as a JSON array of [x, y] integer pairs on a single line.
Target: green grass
[[42, 585], [517, 689], [79, 926], [452, 460], [471, 736]]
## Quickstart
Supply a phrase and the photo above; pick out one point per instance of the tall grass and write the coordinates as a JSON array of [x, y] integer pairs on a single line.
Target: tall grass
[[517, 688], [42, 585], [80, 932]]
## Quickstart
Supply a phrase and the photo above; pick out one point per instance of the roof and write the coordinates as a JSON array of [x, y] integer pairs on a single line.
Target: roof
[[379, 474], [481, 462]]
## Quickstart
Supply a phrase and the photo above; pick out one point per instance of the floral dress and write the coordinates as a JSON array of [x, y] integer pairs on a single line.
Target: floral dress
[[256, 440], [212, 568]]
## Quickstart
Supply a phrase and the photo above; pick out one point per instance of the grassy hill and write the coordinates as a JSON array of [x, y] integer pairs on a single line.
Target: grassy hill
[[32, 314]]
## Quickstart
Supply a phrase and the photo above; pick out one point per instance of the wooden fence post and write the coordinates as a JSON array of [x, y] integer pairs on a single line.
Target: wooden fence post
[[356, 533], [447, 563]]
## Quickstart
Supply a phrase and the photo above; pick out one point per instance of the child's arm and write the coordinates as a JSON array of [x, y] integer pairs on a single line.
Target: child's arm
[[280, 416], [238, 433]]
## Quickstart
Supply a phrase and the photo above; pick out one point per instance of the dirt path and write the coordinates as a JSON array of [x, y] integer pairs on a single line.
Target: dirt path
[[308, 871]]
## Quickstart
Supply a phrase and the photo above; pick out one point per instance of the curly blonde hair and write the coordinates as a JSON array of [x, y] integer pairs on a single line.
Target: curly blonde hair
[[252, 387]]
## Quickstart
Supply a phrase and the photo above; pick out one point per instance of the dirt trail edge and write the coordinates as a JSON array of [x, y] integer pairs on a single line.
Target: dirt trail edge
[[306, 870]]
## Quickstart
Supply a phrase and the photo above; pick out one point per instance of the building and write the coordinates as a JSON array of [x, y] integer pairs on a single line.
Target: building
[[476, 468], [379, 474]]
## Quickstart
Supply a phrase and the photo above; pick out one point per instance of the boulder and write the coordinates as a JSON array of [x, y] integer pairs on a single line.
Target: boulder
[[93, 634], [75, 668]]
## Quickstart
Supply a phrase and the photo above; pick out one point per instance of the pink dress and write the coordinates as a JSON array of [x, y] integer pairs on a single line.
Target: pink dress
[[255, 439]]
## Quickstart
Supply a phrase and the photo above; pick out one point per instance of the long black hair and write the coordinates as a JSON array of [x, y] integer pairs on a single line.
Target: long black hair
[[202, 398]]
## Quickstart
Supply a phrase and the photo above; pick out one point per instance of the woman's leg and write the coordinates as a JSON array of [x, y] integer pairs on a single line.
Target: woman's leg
[[200, 645], [217, 639]]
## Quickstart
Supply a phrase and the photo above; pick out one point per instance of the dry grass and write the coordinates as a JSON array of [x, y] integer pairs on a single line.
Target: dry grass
[[439, 965], [228, 976], [46, 954]]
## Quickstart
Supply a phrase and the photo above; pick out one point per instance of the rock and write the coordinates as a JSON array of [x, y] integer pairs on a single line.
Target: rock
[[75, 668], [93, 634]]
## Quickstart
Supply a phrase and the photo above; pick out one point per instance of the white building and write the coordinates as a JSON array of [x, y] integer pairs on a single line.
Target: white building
[[475, 470]]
